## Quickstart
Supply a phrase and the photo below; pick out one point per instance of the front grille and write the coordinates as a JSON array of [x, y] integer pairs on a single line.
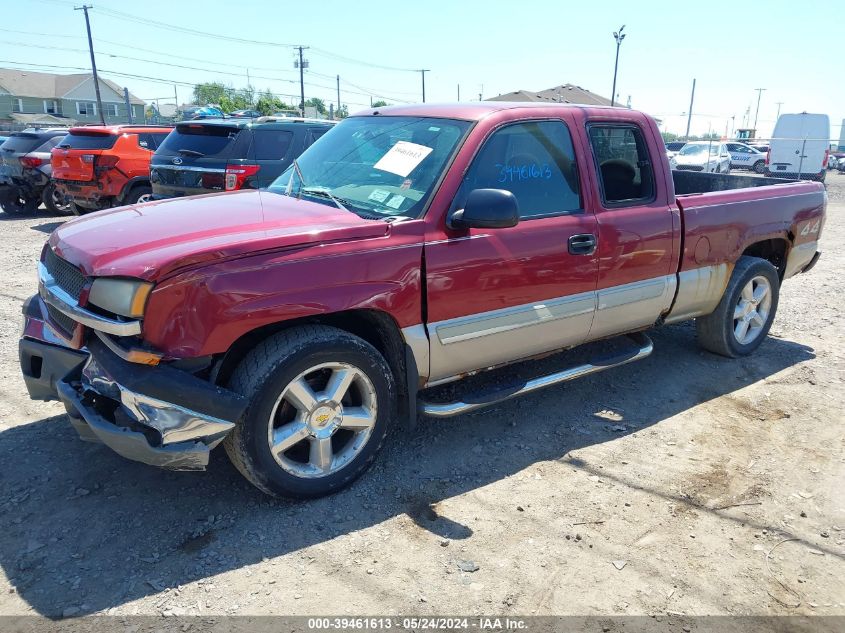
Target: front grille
[[68, 277], [61, 319], [690, 167]]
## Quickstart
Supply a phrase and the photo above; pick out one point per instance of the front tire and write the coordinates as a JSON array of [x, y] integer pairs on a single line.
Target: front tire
[[744, 315], [321, 403]]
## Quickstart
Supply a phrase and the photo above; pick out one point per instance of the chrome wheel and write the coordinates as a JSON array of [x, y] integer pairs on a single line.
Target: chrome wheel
[[752, 310], [144, 198], [322, 420]]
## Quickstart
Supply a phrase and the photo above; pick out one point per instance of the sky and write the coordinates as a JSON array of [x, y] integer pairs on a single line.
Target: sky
[[486, 48]]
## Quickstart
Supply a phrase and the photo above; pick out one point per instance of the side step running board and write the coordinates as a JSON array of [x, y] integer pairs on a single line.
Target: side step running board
[[449, 409]]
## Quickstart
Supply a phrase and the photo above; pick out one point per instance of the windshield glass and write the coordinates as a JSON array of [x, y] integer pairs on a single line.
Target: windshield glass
[[375, 165], [690, 150]]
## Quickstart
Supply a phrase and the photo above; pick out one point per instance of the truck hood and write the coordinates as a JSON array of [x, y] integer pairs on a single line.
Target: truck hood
[[151, 240]]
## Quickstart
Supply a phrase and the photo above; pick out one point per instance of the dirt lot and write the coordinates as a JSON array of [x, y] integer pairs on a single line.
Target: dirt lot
[[684, 483]]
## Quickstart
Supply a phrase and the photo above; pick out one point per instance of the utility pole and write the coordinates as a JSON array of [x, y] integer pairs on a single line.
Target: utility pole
[[338, 95], [423, 71], [618, 36], [302, 65], [759, 94], [459, 92], [128, 104], [689, 114], [780, 103], [84, 8]]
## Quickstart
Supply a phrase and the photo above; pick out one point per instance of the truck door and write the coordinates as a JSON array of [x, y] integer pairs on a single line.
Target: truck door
[[497, 295], [636, 264]]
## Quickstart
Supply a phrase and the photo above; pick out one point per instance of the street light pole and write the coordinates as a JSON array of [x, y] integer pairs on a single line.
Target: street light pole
[[618, 36], [759, 94], [423, 71]]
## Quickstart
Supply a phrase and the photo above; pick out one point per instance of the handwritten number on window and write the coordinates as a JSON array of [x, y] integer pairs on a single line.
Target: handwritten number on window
[[521, 173]]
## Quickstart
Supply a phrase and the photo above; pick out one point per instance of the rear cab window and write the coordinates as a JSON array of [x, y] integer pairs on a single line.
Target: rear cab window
[[88, 140], [622, 161], [205, 141]]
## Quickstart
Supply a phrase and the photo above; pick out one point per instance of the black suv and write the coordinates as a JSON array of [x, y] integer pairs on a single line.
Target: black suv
[[226, 155], [25, 172]]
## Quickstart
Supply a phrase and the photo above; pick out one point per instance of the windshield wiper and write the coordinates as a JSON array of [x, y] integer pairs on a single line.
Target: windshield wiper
[[298, 172], [190, 152], [314, 191]]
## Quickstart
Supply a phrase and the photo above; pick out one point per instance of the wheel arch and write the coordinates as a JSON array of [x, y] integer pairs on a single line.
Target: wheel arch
[[378, 328], [773, 250], [131, 183]]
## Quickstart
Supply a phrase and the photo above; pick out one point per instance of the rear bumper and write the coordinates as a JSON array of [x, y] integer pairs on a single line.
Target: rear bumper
[[801, 258], [88, 194], [159, 415]]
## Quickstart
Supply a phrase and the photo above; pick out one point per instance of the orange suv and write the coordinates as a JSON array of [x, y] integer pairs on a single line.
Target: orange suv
[[104, 166]]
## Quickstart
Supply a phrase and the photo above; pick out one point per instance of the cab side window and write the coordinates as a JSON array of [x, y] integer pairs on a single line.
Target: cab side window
[[535, 161], [625, 171]]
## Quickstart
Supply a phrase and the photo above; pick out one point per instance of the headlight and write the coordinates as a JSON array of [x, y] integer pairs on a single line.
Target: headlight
[[126, 297]]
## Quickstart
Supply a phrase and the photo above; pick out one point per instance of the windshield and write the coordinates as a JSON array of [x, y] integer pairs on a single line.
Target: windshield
[[375, 165], [691, 150]]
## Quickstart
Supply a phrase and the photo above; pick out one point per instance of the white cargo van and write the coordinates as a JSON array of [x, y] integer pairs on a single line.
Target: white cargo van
[[800, 147]]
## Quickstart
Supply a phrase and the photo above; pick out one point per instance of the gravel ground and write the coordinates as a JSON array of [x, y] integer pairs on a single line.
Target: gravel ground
[[685, 483]]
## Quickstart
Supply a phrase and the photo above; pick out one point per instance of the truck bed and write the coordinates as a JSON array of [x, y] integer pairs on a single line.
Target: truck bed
[[692, 182], [721, 213]]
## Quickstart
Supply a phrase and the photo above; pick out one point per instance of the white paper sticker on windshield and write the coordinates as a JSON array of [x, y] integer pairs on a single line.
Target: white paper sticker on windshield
[[402, 158], [379, 195], [396, 201]]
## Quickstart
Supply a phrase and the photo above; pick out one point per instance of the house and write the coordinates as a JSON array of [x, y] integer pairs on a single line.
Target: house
[[34, 98], [565, 93]]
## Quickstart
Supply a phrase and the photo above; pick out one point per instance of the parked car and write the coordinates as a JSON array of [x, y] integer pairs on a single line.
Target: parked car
[[407, 248], [287, 113], [800, 147], [746, 157], [201, 112], [673, 147], [25, 172], [99, 167], [245, 114], [835, 160], [708, 156], [210, 156]]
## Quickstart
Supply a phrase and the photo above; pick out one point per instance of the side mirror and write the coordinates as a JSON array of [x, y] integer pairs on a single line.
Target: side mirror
[[486, 209]]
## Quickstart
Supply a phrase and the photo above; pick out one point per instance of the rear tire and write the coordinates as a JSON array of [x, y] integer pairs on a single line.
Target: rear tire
[[20, 204], [321, 403], [139, 194], [55, 201], [743, 317], [759, 167]]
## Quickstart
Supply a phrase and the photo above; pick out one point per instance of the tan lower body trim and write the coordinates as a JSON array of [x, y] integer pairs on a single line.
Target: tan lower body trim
[[799, 256], [699, 291]]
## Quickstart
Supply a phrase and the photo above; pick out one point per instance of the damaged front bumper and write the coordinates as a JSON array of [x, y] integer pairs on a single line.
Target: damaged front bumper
[[160, 415]]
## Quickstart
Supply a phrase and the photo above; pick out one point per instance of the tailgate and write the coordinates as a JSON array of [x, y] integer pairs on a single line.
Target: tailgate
[[73, 164], [74, 159], [193, 158]]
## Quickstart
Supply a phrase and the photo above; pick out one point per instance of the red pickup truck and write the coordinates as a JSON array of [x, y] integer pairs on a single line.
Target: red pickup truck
[[411, 246]]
